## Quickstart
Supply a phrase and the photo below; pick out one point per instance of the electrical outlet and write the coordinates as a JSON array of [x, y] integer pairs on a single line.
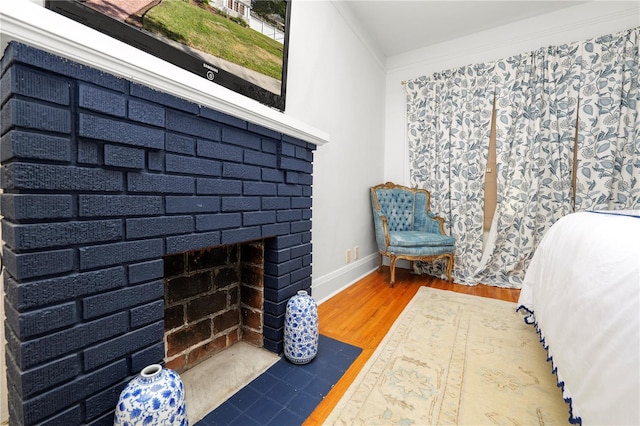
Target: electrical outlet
[[356, 253], [348, 256]]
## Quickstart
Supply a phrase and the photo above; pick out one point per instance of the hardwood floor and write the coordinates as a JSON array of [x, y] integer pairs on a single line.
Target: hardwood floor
[[363, 313]]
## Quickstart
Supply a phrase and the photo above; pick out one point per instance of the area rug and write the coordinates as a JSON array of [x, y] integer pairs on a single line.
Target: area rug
[[452, 358]]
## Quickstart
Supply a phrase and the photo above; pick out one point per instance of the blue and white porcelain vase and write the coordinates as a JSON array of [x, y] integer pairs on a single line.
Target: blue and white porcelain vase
[[301, 328], [153, 397]]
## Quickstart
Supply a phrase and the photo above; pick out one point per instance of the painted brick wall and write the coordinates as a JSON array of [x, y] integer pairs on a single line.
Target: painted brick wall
[[101, 178]]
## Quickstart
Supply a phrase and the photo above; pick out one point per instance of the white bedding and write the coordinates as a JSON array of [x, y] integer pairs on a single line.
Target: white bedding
[[583, 290]]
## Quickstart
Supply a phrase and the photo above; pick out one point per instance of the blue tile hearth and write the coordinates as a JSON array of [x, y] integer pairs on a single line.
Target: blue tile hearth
[[286, 393]]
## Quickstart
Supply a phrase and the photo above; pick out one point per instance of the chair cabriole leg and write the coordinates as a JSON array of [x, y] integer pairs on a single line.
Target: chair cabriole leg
[[392, 266], [449, 267]]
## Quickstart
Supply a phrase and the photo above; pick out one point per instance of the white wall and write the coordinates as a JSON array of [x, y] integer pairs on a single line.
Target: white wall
[[336, 84], [579, 22]]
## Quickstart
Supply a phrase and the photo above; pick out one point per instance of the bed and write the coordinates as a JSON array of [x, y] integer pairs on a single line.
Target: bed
[[582, 290]]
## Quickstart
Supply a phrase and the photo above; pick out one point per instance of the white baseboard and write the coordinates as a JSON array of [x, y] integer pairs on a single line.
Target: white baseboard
[[329, 285]]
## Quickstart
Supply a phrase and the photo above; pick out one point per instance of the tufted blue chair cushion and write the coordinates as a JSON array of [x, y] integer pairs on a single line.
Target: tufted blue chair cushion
[[419, 251], [420, 239]]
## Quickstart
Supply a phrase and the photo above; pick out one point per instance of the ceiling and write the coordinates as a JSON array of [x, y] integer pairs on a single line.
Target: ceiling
[[399, 26]]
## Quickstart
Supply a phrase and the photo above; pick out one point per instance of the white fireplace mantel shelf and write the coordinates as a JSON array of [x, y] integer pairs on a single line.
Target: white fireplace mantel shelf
[[28, 22]]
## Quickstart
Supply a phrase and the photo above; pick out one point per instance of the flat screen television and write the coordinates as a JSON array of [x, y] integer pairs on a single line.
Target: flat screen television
[[239, 44]]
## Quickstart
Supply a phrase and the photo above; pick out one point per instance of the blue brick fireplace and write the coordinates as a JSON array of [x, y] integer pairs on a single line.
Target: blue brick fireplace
[[102, 177]]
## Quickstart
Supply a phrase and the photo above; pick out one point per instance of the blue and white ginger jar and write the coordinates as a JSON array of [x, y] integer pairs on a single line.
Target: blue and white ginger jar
[[301, 328], [153, 397]]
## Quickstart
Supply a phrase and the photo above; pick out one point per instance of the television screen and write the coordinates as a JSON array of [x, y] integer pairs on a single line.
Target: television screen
[[239, 44]]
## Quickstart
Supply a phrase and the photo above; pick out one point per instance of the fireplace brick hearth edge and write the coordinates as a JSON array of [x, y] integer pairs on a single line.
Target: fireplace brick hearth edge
[[101, 178]]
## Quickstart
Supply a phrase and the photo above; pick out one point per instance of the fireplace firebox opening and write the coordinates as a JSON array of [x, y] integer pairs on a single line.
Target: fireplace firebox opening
[[213, 299]]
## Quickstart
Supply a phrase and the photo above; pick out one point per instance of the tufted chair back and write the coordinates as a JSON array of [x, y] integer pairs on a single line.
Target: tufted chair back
[[398, 206]]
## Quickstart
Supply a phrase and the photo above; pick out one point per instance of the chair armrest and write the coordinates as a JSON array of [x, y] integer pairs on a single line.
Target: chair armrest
[[431, 223], [441, 221], [382, 229]]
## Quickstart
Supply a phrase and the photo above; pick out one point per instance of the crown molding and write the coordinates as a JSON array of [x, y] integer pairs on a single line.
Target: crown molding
[[590, 19], [352, 21]]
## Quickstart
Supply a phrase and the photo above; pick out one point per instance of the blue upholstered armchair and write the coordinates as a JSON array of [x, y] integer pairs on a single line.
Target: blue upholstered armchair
[[405, 229]]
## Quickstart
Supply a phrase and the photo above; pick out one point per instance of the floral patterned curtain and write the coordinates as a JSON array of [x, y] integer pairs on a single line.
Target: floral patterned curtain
[[539, 97], [608, 171], [449, 123], [536, 109]]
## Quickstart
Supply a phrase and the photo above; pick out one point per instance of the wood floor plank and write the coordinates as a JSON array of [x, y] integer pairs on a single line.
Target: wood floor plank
[[362, 315]]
